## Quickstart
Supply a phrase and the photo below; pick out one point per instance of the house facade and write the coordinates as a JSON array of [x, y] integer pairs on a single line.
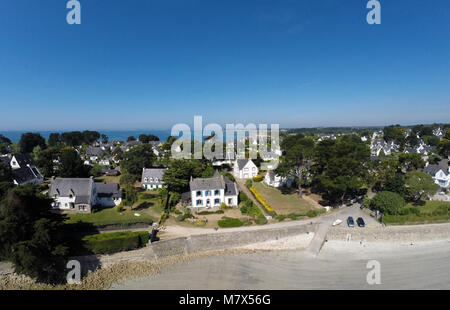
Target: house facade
[[108, 194], [21, 160], [210, 193], [80, 195], [440, 175], [73, 195], [274, 180], [245, 169], [152, 178]]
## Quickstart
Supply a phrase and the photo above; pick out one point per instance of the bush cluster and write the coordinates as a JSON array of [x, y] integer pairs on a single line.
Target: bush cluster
[[258, 178], [115, 242], [227, 222]]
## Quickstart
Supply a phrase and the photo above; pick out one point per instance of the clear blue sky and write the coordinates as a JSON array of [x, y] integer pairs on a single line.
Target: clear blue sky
[[152, 63]]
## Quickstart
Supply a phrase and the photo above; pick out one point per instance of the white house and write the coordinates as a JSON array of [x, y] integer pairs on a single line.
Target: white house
[[79, 195], [210, 193], [21, 160], [440, 175], [152, 178], [73, 194], [245, 169], [108, 194], [274, 180]]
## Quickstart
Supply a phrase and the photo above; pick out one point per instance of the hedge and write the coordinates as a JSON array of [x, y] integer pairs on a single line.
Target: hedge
[[258, 178], [227, 222], [115, 242], [263, 202]]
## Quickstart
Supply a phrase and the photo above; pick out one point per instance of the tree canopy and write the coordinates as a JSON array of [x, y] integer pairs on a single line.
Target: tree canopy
[[30, 235]]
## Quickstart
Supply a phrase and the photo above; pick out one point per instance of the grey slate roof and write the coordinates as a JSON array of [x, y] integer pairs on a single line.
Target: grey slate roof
[[153, 173], [230, 188], [242, 162], [433, 169], [26, 174], [93, 150], [108, 190], [24, 159], [200, 184], [81, 187]]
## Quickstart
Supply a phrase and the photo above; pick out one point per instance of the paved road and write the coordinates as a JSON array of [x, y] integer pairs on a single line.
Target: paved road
[[402, 267]]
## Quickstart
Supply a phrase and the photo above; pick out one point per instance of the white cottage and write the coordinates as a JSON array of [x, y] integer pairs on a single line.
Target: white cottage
[[210, 193], [245, 169]]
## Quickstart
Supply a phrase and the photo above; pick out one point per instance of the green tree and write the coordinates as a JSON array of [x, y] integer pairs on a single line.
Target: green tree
[[5, 173], [341, 168], [419, 185], [45, 162], [54, 139], [29, 141], [387, 202], [131, 195], [71, 165], [137, 158], [31, 235], [395, 133], [410, 161], [299, 154]]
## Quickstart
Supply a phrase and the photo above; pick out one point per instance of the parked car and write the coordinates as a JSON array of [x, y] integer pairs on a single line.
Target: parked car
[[350, 222], [360, 222]]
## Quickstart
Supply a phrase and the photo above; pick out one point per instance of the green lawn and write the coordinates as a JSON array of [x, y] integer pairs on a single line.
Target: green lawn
[[431, 212], [282, 203], [147, 206]]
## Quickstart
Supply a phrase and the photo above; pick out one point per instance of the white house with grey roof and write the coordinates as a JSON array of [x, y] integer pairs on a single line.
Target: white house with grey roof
[[210, 193], [440, 174], [245, 169], [79, 195], [152, 178], [73, 195]]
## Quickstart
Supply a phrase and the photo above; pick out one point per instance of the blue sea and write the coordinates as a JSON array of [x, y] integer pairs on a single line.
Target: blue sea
[[122, 135], [14, 136]]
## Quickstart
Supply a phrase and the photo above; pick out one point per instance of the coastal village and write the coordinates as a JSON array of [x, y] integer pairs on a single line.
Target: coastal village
[[122, 195]]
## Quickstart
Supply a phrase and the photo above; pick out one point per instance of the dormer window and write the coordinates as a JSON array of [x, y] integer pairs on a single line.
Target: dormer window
[[151, 179], [145, 179], [156, 179]]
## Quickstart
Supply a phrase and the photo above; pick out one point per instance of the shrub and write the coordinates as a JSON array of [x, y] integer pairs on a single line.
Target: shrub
[[250, 209], [258, 178], [226, 222], [115, 242], [242, 197], [248, 183], [119, 208], [261, 220], [311, 213], [211, 212], [387, 202]]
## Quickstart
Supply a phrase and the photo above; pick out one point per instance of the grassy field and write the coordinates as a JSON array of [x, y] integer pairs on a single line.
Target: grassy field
[[282, 203], [431, 212], [147, 206]]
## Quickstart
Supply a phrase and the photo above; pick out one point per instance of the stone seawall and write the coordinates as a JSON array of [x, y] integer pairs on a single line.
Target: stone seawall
[[197, 244], [225, 240], [391, 233]]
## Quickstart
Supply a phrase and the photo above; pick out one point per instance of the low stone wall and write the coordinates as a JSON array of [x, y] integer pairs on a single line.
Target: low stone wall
[[392, 233], [225, 240]]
